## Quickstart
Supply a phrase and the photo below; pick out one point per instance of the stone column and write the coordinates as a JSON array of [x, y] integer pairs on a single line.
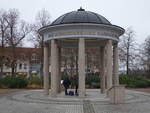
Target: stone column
[[54, 68], [81, 67], [117, 92], [115, 65], [109, 64], [59, 66], [102, 55], [100, 67], [46, 70]]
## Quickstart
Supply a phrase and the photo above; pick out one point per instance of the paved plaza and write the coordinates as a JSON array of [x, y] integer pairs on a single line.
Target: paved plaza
[[33, 101]]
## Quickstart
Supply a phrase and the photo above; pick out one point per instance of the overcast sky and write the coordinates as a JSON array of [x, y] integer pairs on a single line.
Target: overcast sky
[[124, 13]]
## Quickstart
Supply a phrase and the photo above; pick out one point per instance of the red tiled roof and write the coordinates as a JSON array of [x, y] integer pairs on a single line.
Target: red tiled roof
[[20, 52]]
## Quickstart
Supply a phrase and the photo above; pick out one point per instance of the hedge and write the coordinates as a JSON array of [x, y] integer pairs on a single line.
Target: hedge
[[91, 80], [35, 80], [134, 81], [13, 82]]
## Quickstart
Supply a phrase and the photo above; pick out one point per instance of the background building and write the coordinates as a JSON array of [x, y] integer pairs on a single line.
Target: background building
[[28, 61]]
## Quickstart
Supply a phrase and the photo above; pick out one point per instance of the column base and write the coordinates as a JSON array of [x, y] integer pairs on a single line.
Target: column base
[[102, 91], [117, 94], [46, 92], [82, 94], [53, 94]]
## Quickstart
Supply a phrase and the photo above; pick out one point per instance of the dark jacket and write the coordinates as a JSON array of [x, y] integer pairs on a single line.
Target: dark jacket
[[66, 83]]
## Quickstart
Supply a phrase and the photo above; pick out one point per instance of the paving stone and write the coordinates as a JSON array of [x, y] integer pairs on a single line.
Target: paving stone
[[88, 107], [34, 101]]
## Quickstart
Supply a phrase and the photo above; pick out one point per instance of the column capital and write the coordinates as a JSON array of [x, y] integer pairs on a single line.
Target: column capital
[[115, 44], [46, 44], [57, 42]]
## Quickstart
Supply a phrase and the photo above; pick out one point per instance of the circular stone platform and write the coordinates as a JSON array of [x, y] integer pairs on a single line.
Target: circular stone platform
[[33, 101]]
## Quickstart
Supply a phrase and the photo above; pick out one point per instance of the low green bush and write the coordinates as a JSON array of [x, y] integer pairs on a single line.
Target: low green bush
[[93, 80], [95, 85], [64, 76], [134, 81], [36, 80], [13, 82]]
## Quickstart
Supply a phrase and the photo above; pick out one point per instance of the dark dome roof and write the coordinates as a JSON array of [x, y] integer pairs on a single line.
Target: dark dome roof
[[81, 16]]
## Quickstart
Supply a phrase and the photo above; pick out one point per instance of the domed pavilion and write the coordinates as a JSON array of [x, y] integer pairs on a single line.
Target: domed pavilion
[[81, 29]]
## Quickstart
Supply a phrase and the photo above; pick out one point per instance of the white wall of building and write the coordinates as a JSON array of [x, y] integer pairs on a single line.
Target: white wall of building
[[22, 66]]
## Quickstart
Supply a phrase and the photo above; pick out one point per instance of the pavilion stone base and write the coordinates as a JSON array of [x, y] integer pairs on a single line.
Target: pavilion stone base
[[117, 94]]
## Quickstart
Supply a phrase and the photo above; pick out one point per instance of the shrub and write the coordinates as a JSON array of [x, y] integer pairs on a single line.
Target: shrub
[[64, 76], [13, 82], [95, 85], [134, 81], [36, 80], [93, 79]]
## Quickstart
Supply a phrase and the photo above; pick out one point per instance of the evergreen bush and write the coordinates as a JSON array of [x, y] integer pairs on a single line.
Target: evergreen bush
[[134, 81], [93, 80], [13, 82], [36, 80]]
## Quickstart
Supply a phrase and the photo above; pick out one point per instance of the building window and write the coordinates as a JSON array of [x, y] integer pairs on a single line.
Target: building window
[[20, 66], [34, 56], [23, 56], [25, 66]]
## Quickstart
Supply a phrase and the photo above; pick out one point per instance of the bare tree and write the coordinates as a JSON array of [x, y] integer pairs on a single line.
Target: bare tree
[[127, 49], [16, 32], [42, 20], [146, 56], [3, 28]]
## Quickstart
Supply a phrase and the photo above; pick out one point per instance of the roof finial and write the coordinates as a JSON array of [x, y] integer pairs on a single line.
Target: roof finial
[[81, 9]]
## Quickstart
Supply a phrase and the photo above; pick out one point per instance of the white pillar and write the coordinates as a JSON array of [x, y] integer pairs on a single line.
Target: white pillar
[[46, 70], [109, 64], [59, 69], [102, 56], [115, 65], [81, 67], [54, 68]]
